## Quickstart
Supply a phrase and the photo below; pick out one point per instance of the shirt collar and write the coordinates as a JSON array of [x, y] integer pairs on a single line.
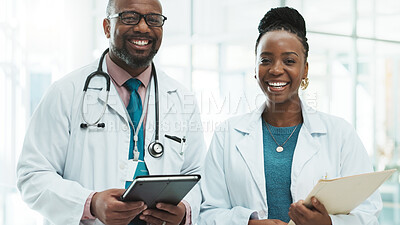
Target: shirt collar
[[120, 76]]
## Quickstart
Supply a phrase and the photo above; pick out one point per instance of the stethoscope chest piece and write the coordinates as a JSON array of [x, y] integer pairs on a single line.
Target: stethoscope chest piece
[[156, 149]]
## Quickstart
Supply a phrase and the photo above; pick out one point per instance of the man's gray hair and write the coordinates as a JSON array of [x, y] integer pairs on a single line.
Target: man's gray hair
[[110, 7]]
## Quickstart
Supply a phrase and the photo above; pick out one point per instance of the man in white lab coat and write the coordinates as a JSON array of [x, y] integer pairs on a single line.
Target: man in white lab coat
[[75, 174]]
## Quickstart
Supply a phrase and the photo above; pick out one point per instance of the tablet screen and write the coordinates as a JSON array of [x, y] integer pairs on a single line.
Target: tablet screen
[[152, 189]]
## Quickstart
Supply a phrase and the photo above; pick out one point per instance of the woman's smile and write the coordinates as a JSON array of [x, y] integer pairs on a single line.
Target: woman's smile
[[277, 86]]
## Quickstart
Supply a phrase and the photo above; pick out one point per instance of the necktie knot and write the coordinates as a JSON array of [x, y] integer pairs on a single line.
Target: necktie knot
[[132, 84]]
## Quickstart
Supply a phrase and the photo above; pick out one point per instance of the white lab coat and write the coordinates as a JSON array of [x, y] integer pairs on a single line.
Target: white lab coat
[[233, 183], [61, 163]]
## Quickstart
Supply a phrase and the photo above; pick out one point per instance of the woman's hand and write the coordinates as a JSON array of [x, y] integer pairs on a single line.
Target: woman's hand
[[302, 215], [266, 222]]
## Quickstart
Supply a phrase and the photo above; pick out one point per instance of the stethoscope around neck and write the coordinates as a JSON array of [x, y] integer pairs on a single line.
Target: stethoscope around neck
[[155, 148]]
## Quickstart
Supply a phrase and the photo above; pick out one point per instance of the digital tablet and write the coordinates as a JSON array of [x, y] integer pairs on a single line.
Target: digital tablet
[[152, 189]]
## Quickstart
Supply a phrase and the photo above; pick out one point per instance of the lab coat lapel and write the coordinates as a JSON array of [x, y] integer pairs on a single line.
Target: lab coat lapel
[[307, 146], [166, 101], [164, 108], [251, 148], [114, 100], [150, 117]]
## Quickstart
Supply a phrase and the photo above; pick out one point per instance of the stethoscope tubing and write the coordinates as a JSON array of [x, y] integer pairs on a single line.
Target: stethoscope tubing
[[100, 72], [156, 102]]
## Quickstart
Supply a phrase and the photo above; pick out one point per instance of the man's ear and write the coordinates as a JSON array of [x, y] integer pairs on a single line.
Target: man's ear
[[106, 27]]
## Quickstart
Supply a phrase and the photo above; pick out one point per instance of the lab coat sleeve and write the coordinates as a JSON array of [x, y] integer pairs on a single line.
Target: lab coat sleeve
[[41, 163], [195, 151], [217, 208], [355, 160]]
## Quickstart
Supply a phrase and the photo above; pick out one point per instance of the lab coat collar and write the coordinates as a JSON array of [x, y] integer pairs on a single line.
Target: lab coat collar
[[251, 145], [115, 101], [311, 120]]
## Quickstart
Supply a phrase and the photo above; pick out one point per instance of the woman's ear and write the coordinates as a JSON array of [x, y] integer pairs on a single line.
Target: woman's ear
[[305, 75]]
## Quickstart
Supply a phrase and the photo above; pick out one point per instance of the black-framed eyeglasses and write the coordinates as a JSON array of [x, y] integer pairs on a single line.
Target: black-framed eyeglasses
[[133, 18]]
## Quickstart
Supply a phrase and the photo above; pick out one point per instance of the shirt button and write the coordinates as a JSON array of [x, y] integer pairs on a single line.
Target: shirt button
[[261, 214], [122, 166], [125, 128]]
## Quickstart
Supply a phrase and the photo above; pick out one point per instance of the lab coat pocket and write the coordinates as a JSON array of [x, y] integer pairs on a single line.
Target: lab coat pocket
[[174, 144], [173, 160]]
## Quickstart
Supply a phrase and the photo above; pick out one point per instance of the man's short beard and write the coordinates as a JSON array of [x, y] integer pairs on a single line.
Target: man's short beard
[[132, 61]]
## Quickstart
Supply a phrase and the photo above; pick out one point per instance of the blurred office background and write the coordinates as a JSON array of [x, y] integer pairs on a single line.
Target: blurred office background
[[208, 45]]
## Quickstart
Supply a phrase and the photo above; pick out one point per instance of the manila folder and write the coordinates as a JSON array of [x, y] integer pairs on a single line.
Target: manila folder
[[341, 195]]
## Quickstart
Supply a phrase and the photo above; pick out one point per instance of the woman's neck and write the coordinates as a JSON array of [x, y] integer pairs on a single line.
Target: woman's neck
[[283, 114]]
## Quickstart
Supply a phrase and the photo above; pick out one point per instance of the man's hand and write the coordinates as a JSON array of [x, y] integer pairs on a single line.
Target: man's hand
[[266, 222], [302, 215], [108, 208], [170, 214]]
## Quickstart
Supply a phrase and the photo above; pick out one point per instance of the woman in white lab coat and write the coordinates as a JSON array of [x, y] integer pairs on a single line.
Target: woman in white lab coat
[[261, 165]]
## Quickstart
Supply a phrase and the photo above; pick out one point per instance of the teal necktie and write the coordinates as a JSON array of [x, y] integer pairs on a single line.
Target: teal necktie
[[135, 112]]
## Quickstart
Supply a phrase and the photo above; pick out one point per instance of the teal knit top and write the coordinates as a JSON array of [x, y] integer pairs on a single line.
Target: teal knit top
[[277, 168]]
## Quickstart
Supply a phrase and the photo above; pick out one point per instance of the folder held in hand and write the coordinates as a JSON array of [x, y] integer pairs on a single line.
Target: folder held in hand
[[341, 195]]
